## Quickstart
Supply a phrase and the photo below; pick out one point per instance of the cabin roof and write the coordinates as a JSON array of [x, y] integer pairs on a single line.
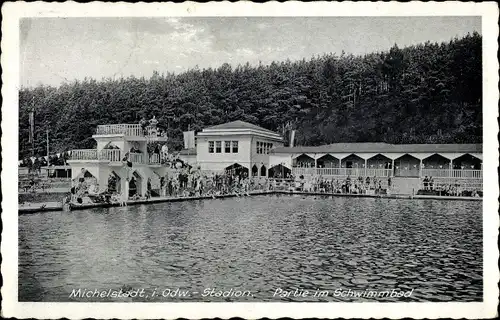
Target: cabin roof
[[380, 147]]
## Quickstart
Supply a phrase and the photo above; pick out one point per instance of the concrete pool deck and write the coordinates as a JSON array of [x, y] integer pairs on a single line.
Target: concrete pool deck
[[57, 206]]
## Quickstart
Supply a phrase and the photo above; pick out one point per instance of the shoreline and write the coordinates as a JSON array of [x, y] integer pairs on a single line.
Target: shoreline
[[57, 206]]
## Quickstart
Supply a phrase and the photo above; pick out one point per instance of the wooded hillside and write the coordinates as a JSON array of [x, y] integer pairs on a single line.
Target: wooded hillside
[[428, 93]]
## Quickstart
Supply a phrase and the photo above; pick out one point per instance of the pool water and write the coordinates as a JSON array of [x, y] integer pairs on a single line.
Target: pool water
[[258, 244]]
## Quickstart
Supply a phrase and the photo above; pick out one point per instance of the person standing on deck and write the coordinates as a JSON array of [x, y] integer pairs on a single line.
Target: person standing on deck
[[170, 187], [143, 123], [162, 186], [148, 192]]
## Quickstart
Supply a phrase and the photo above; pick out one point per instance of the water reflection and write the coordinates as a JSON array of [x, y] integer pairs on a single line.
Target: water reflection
[[258, 244]]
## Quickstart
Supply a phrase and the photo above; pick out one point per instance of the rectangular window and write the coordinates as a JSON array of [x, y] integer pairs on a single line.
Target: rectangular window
[[257, 147], [227, 146], [218, 146], [210, 147], [235, 146], [259, 150]]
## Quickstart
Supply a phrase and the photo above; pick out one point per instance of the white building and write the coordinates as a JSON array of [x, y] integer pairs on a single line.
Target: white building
[[121, 156], [234, 145]]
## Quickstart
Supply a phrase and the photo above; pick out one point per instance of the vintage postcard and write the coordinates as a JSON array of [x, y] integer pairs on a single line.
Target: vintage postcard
[[249, 160]]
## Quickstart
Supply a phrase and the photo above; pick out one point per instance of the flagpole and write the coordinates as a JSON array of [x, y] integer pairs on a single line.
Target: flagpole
[[47, 145], [32, 126]]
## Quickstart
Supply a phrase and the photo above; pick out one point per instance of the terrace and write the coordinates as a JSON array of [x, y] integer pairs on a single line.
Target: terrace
[[465, 166], [150, 132], [436, 173], [115, 156], [341, 172]]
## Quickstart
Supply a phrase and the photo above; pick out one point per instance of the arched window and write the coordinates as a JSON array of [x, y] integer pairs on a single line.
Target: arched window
[[255, 170], [263, 170]]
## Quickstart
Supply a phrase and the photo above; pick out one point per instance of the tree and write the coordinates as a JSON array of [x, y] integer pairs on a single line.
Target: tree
[[400, 95]]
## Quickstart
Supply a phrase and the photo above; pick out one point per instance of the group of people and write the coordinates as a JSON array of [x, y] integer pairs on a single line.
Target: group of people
[[458, 190], [447, 188], [186, 182], [349, 185], [151, 127], [82, 191], [428, 183], [182, 182]]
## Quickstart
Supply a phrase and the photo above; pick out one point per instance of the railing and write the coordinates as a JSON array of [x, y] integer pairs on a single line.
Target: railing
[[84, 154], [462, 173], [407, 172], [356, 172], [455, 173], [154, 158], [331, 171], [113, 155], [379, 172], [110, 154], [303, 171], [136, 157], [436, 173], [134, 130]]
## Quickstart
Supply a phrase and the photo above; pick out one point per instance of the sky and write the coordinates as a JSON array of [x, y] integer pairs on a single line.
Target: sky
[[58, 50]]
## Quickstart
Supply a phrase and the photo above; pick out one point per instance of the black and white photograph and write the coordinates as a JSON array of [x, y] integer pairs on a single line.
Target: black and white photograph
[[195, 157]]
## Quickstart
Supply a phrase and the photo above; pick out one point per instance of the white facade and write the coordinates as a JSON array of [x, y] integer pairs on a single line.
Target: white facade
[[238, 142], [104, 162], [381, 159]]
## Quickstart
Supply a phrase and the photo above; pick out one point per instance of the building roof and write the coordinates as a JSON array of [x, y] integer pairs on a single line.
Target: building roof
[[379, 147], [238, 125], [188, 152]]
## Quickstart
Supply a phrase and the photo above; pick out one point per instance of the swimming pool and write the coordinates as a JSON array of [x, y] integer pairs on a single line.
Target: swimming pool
[[258, 244]]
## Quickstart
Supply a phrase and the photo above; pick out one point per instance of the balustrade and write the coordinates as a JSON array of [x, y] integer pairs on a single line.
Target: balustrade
[[136, 157], [84, 154], [455, 173], [399, 172], [379, 172], [114, 155], [331, 171], [464, 173], [110, 154], [134, 130], [355, 172], [154, 158]]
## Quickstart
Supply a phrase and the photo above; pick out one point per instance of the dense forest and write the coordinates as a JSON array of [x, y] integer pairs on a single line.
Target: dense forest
[[427, 93]]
